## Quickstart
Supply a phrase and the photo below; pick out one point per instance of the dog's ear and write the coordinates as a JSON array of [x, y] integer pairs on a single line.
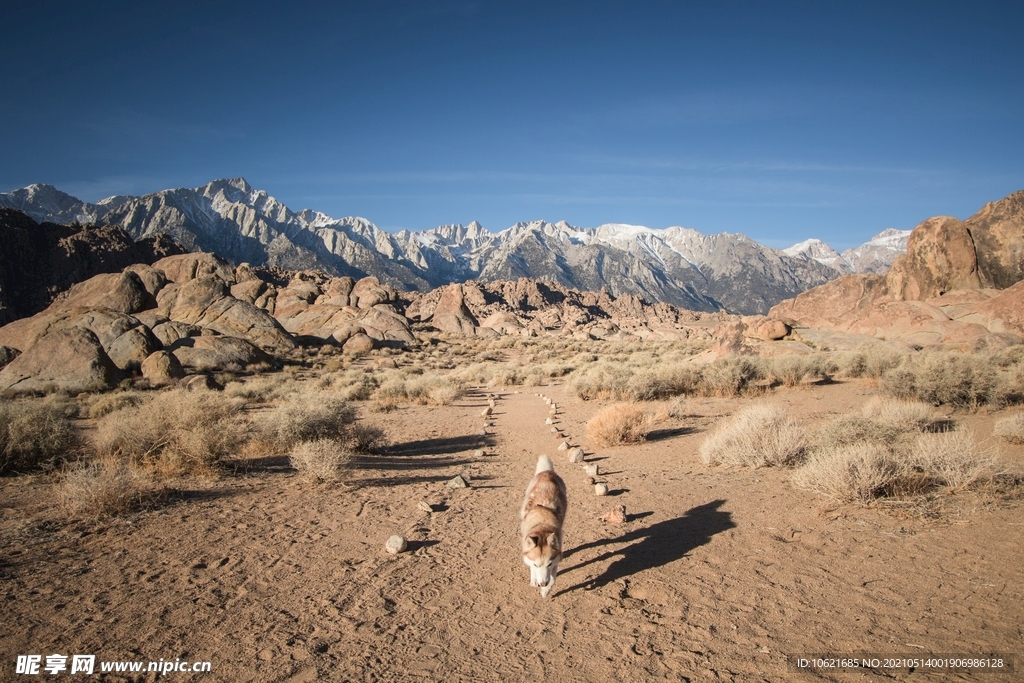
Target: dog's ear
[[553, 542], [530, 542]]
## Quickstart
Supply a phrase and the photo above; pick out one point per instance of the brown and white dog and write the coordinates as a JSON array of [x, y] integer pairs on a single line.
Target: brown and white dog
[[542, 516]]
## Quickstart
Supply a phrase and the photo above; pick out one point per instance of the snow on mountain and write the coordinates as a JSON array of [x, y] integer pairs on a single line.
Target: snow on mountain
[[877, 254], [242, 224], [820, 252]]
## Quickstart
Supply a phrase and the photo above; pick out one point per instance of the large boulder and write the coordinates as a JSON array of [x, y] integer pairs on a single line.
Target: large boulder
[[185, 267], [940, 258], [161, 368], [368, 292], [218, 353], [123, 337], [152, 279], [70, 360], [998, 234], [206, 302], [451, 313], [358, 343], [124, 292]]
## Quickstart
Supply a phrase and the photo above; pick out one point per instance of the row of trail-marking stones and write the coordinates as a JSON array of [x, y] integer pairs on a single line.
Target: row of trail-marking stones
[[398, 544], [617, 515]]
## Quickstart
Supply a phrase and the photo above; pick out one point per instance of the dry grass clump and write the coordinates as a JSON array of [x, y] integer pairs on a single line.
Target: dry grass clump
[[261, 389], [414, 386], [904, 416], [322, 460], [658, 379], [107, 487], [959, 380], [314, 416], [109, 403], [954, 459], [858, 472], [35, 435], [892, 448], [793, 370], [617, 424], [727, 377], [756, 436], [1011, 428], [177, 432], [869, 360]]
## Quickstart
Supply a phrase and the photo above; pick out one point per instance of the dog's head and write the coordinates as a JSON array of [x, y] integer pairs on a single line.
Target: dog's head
[[542, 549]]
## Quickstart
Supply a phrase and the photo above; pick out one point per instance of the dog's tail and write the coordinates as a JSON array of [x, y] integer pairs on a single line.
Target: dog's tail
[[544, 465]]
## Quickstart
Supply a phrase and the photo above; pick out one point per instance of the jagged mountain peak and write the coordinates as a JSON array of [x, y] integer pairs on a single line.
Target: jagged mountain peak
[[243, 224]]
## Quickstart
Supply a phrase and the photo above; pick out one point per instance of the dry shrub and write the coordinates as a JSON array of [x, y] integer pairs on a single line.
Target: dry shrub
[[423, 389], [854, 472], [261, 389], [433, 390], [756, 436], [35, 435], [954, 458], [903, 416], [320, 460], [1011, 428], [107, 487], [892, 448], [959, 380], [728, 377], [617, 424], [793, 370], [109, 403], [313, 416], [177, 432]]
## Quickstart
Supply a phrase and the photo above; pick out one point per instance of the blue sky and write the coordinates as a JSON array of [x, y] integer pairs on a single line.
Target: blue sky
[[781, 120]]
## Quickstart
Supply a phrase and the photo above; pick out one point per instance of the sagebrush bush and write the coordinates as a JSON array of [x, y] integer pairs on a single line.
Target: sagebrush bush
[[311, 416], [1011, 428], [320, 460], [645, 377], [177, 432], [35, 434], [959, 380], [855, 472], [793, 370], [108, 403], [107, 487], [617, 424], [954, 459], [727, 377], [756, 436], [903, 416]]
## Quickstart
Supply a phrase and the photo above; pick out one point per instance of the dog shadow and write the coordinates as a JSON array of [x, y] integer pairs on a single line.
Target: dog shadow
[[654, 546]]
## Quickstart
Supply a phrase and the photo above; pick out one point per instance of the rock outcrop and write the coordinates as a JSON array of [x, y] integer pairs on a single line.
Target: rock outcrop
[[956, 285], [38, 261], [71, 360]]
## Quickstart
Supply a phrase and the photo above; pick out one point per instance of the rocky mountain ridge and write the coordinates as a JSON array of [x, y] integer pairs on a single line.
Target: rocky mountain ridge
[[245, 225]]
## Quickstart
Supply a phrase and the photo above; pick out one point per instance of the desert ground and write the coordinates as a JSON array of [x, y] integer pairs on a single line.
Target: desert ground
[[718, 574]]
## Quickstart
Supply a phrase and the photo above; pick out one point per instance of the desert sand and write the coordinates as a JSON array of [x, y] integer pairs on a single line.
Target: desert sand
[[718, 574]]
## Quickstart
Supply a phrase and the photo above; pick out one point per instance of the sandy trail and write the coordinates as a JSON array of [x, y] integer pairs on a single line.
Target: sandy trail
[[718, 575]]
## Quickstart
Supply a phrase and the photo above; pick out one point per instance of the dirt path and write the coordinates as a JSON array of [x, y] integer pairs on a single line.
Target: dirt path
[[718, 575]]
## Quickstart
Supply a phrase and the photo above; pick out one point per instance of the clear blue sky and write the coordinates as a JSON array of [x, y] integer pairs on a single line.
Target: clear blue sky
[[781, 120]]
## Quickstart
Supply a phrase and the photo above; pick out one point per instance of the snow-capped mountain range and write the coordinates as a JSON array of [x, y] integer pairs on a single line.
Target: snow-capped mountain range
[[676, 265]]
